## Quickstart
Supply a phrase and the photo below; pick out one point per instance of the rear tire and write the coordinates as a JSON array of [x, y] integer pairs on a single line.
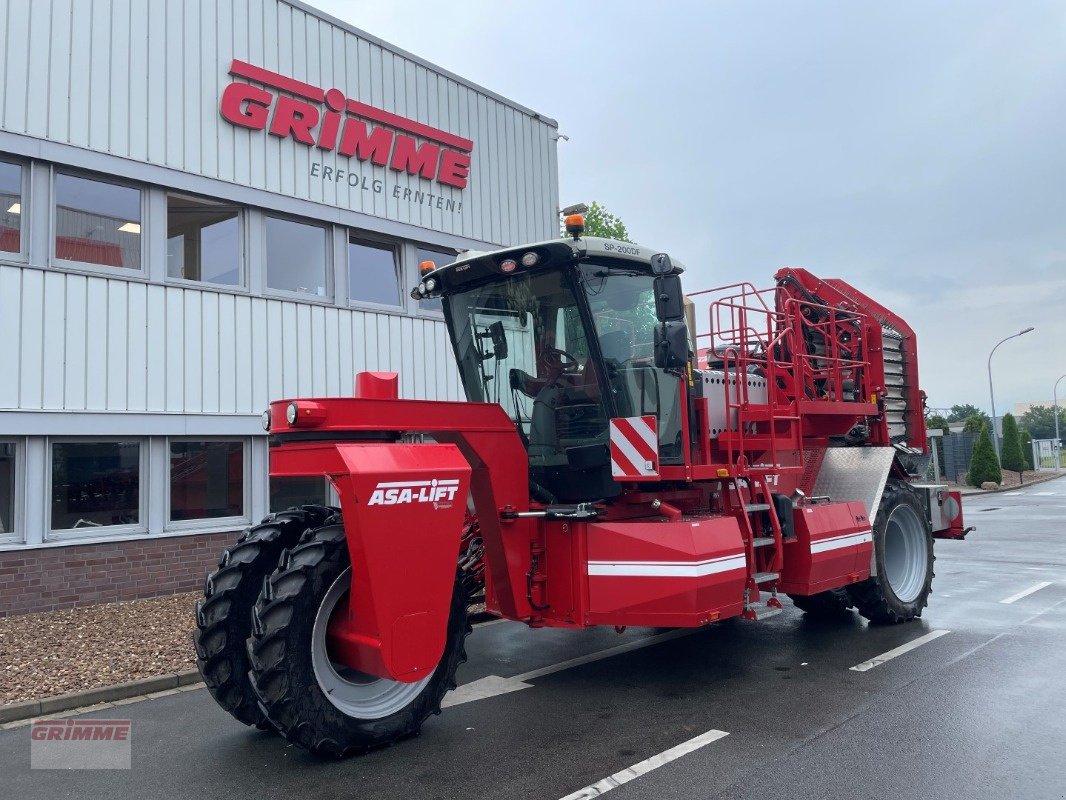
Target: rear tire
[[224, 614], [833, 604], [323, 707], [903, 553]]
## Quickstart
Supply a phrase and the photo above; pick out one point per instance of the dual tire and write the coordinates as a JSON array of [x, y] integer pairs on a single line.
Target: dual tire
[[263, 651]]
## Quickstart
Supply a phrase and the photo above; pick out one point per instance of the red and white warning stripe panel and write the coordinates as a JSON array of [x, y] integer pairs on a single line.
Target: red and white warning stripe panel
[[634, 448], [669, 569], [838, 542]]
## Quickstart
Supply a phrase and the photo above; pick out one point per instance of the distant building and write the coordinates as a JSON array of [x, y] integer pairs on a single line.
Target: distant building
[[1022, 408]]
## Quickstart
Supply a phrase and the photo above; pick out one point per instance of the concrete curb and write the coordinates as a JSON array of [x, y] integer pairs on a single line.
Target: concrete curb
[[971, 492], [104, 694]]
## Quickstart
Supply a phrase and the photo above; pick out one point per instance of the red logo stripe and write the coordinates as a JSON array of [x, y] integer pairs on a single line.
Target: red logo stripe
[[264, 76], [267, 77]]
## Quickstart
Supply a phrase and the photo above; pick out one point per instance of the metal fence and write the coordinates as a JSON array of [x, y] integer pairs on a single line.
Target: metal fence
[[958, 448]]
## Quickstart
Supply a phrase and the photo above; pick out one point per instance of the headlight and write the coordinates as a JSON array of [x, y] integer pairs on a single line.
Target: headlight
[[266, 420], [291, 413], [431, 284]]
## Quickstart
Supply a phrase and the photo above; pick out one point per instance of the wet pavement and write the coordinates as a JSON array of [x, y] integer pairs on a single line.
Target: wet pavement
[[977, 712]]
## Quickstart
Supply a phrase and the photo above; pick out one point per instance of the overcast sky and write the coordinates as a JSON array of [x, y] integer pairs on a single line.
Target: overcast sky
[[915, 149]]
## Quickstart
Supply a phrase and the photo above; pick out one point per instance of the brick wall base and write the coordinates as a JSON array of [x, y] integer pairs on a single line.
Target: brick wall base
[[80, 575]]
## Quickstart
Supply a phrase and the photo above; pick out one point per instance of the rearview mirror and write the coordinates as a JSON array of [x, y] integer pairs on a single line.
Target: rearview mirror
[[669, 301], [499, 340], [660, 264], [671, 345]]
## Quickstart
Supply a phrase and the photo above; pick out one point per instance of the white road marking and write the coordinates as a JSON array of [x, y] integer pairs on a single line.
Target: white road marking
[[646, 766], [492, 685], [1012, 494], [1036, 587], [877, 661], [1043, 494]]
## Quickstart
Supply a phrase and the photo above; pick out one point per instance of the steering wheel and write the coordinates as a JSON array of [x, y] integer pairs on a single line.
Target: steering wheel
[[570, 364]]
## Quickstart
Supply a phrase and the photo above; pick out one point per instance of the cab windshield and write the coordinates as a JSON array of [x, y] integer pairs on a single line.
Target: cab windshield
[[563, 351]]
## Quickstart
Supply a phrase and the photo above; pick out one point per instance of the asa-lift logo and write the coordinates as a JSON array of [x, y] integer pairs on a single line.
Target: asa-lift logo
[[440, 492], [328, 120]]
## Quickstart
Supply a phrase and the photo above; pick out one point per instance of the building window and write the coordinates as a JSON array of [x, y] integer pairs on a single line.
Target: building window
[[373, 273], [203, 241], [440, 259], [10, 207], [206, 480], [95, 484], [97, 222], [7, 488], [296, 257], [290, 492]]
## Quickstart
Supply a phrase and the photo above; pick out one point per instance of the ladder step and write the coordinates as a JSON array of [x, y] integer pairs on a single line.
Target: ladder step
[[762, 541], [766, 577], [761, 612], [750, 507]]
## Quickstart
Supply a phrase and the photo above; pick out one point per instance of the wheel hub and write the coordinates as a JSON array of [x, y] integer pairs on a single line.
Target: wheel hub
[[355, 694], [905, 553]]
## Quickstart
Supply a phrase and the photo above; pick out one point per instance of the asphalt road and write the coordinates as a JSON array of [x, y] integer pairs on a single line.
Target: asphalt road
[[976, 712]]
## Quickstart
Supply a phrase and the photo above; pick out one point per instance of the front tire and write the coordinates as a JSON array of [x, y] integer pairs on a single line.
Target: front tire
[[903, 553], [313, 702], [224, 614]]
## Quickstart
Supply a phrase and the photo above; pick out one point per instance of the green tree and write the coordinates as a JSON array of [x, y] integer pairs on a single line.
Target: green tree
[[975, 422], [1040, 421], [961, 413], [937, 422], [983, 464], [1013, 457], [1027, 448], [601, 222]]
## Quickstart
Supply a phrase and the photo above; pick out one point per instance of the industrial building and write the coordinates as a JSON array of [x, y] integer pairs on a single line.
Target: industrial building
[[205, 206]]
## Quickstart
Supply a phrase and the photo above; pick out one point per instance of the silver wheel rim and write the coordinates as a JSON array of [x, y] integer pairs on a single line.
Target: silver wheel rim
[[905, 556], [353, 693]]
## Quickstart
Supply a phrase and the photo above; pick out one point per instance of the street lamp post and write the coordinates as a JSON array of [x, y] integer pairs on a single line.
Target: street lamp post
[[992, 394], [1058, 447]]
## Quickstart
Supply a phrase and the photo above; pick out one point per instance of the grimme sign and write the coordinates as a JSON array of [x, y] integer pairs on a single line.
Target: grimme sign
[[349, 127]]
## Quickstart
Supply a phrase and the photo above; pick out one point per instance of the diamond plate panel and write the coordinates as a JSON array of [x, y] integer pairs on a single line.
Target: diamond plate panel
[[855, 473]]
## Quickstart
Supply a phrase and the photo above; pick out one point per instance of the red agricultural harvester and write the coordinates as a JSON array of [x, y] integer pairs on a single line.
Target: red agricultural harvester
[[610, 467]]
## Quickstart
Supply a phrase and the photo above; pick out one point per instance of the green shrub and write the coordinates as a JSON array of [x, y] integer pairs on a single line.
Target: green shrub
[[1013, 458], [983, 464], [1027, 448]]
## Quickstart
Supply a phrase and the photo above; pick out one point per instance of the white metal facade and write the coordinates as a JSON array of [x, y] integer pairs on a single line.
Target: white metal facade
[[129, 90]]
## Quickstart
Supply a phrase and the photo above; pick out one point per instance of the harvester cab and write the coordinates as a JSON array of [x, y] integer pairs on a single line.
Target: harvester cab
[[611, 465], [562, 335]]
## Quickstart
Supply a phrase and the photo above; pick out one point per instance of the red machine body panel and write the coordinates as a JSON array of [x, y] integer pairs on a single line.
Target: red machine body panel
[[657, 572], [832, 548], [403, 508]]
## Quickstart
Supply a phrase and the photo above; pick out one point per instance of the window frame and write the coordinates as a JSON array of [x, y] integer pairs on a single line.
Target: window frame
[[99, 531], [17, 534], [242, 286], [328, 237], [54, 262], [210, 523], [23, 254], [366, 238]]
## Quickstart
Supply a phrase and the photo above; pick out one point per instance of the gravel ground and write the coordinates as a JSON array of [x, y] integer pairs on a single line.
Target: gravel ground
[[56, 652]]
